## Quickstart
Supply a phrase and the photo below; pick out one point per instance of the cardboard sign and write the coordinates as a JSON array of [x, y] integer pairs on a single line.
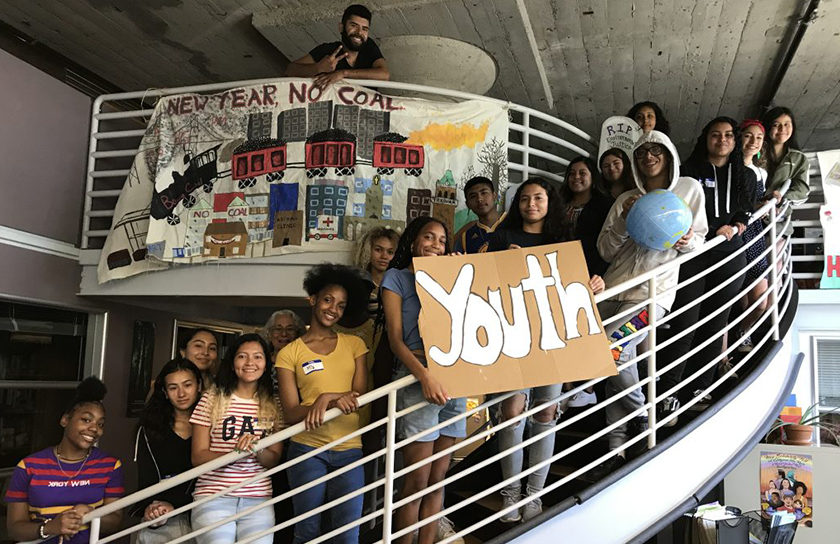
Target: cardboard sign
[[621, 132], [511, 319]]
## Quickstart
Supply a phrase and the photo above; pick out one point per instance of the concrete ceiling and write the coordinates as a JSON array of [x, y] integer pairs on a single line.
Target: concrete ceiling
[[582, 60]]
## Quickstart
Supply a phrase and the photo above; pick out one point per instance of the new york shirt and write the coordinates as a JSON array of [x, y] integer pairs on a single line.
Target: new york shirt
[[49, 488]]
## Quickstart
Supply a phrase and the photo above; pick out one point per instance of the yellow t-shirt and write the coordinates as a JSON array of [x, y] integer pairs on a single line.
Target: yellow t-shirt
[[333, 373]]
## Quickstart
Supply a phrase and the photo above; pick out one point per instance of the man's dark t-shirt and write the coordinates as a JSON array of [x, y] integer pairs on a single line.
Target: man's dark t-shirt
[[368, 54]]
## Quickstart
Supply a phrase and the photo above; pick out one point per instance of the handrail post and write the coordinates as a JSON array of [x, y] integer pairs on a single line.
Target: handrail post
[[390, 442], [651, 362], [94, 530], [774, 275], [526, 144]]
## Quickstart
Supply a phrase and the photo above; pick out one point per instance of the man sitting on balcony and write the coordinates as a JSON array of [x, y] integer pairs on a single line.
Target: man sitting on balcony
[[355, 56]]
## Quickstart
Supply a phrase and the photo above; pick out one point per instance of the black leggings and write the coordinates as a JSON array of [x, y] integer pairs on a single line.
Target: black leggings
[[690, 293]]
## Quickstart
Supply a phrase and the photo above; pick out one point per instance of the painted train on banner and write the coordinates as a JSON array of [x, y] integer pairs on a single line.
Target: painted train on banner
[[307, 174]]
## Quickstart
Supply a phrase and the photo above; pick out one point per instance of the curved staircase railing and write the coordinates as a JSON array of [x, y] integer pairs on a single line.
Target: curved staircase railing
[[378, 518]]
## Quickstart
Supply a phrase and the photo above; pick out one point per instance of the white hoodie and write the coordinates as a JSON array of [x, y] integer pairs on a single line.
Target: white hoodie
[[628, 259]]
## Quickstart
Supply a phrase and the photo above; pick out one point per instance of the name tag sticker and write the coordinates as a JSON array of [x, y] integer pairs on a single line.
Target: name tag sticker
[[710, 183], [312, 366]]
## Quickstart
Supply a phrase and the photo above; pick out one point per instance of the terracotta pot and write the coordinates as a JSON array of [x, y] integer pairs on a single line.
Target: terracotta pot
[[798, 435]]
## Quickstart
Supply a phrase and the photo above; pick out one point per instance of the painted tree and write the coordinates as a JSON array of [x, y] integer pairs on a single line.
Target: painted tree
[[493, 158]]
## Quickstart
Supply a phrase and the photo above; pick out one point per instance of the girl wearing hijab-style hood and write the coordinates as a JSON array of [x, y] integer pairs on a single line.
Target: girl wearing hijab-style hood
[[655, 165]]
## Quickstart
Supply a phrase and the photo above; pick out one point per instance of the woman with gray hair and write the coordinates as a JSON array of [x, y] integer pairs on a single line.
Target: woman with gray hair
[[282, 328]]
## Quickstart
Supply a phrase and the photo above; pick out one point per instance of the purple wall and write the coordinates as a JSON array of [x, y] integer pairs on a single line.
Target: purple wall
[[43, 147], [38, 278]]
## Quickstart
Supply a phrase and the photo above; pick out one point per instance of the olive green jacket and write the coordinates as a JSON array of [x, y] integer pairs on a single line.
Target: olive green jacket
[[794, 167]]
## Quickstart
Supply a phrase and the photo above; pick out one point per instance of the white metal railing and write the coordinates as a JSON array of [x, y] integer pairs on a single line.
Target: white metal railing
[[807, 250], [551, 148], [807, 241], [112, 145], [777, 294]]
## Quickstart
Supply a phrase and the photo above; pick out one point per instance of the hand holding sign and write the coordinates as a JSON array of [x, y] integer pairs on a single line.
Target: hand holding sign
[[433, 391]]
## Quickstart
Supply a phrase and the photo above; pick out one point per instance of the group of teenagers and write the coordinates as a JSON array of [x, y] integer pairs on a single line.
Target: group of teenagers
[[202, 406]]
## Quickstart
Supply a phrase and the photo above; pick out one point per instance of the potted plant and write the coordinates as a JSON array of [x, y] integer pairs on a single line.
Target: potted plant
[[801, 432]]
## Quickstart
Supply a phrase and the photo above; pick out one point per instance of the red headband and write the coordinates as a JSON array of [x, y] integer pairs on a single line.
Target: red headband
[[752, 123]]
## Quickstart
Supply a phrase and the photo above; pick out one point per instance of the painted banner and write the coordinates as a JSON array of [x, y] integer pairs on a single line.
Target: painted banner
[[786, 485], [830, 218], [284, 167], [510, 319]]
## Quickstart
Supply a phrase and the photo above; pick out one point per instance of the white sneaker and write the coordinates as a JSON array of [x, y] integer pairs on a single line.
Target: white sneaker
[[582, 398], [531, 509], [704, 402], [445, 530], [510, 496], [746, 344], [667, 407]]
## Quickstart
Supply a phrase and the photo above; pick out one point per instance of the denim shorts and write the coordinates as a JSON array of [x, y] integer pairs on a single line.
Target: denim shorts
[[429, 415]]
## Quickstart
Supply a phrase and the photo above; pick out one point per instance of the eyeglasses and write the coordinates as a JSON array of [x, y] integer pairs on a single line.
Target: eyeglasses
[[655, 150]]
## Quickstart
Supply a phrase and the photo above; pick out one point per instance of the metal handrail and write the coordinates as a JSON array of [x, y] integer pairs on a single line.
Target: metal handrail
[[391, 389], [386, 482]]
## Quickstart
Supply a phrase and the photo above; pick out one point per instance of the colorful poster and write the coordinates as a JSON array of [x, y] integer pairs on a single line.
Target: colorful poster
[[510, 320], [786, 484], [284, 167]]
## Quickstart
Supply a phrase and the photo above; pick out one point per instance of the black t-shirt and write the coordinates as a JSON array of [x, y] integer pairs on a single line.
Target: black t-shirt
[[161, 458], [588, 228], [368, 54], [502, 239], [715, 181]]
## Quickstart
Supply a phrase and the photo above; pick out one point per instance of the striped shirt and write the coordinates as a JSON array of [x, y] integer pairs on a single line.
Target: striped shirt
[[47, 488], [239, 418]]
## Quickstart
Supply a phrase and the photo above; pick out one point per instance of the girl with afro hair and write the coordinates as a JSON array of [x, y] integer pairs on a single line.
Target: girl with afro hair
[[326, 369]]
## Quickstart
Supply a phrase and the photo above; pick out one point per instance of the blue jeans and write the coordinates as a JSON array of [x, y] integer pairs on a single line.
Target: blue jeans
[[538, 451], [222, 507], [305, 501]]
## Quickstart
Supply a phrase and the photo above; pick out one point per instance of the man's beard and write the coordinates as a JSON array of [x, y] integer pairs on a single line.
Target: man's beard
[[348, 43]]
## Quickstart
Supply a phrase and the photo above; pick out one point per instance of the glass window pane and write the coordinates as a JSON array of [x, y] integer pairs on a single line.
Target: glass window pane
[[828, 369], [40, 343], [30, 421]]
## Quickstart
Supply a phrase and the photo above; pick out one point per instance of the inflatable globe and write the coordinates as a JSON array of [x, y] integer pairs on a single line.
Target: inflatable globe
[[658, 219]]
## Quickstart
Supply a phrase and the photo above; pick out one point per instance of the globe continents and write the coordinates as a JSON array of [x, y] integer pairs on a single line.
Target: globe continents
[[658, 219]]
